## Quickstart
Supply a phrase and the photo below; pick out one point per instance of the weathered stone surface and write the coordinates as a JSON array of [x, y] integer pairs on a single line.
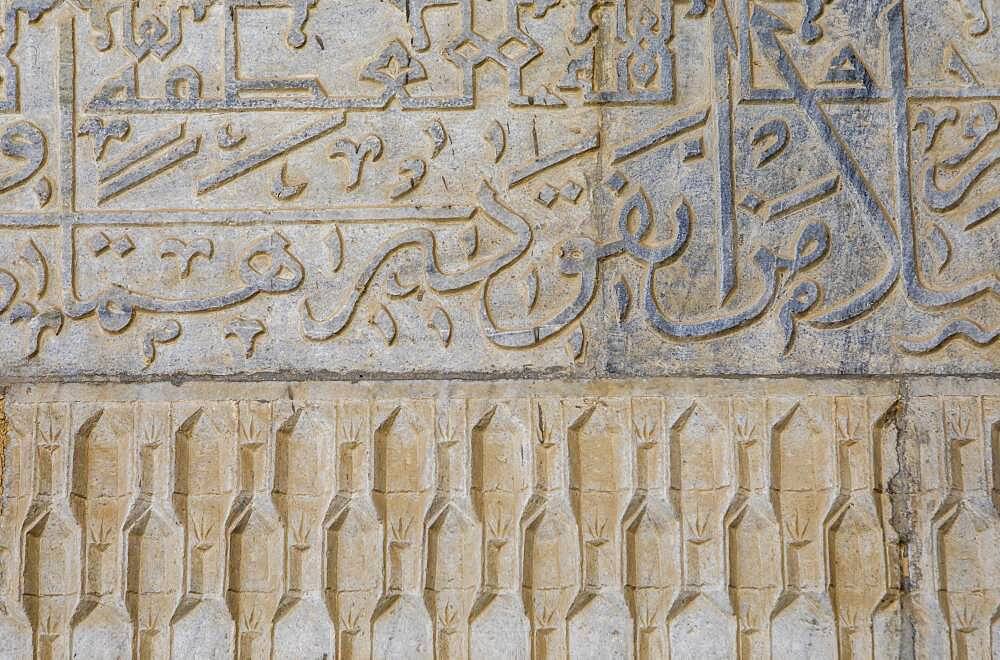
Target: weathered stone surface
[[465, 187], [695, 518], [571, 218]]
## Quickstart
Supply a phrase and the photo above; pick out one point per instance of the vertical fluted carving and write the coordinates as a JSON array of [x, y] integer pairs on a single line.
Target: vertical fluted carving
[[51, 538], [652, 535], [155, 542], [600, 483], [702, 485], [403, 489], [551, 553], [205, 487], [354, 533], [100, 496], [256, 551], [640, 526], [304, 484], [501, 464], [754, 533], [967, 532], [453, 560]]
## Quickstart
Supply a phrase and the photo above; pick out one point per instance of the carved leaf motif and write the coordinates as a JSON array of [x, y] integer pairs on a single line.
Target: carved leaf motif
[[385, 322], [442, 324]]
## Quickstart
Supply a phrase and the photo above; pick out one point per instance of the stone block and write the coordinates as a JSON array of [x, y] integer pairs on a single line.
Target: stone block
[[620, 518], [499, 328], [471, 189]]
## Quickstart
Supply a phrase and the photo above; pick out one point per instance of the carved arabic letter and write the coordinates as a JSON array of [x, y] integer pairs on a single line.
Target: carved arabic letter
[[22, 311], [623, 300], [767, 27], [225, 138], [281, 272], [296, 37], [23, 142], [777, 131], [335, 246], [412, 174], [31, 255], [437, 280], [932, 121], [50, 320], [976, 21], [442, 324], [496, 138], [802, 300], [531, 287], [575, 343], [166, 332], [384, 321], [959, 329], [282, 190], [102, 133], [809, 31], [356, 155], [578, 257], [115, 310], [186, 252], [8, 289], [183, 84], [438, 135], [246, 331], [43, 191]]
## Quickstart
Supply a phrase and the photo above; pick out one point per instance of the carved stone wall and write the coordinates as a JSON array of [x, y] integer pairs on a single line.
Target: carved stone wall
[[653, 518], [499, 328], [459, 187]]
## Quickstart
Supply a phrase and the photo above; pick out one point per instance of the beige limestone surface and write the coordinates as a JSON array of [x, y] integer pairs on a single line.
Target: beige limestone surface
[[642, 518], [320, 189], [499, 328]]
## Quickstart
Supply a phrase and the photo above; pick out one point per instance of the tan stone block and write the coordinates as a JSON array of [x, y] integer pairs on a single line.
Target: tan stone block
[[628, 518]]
